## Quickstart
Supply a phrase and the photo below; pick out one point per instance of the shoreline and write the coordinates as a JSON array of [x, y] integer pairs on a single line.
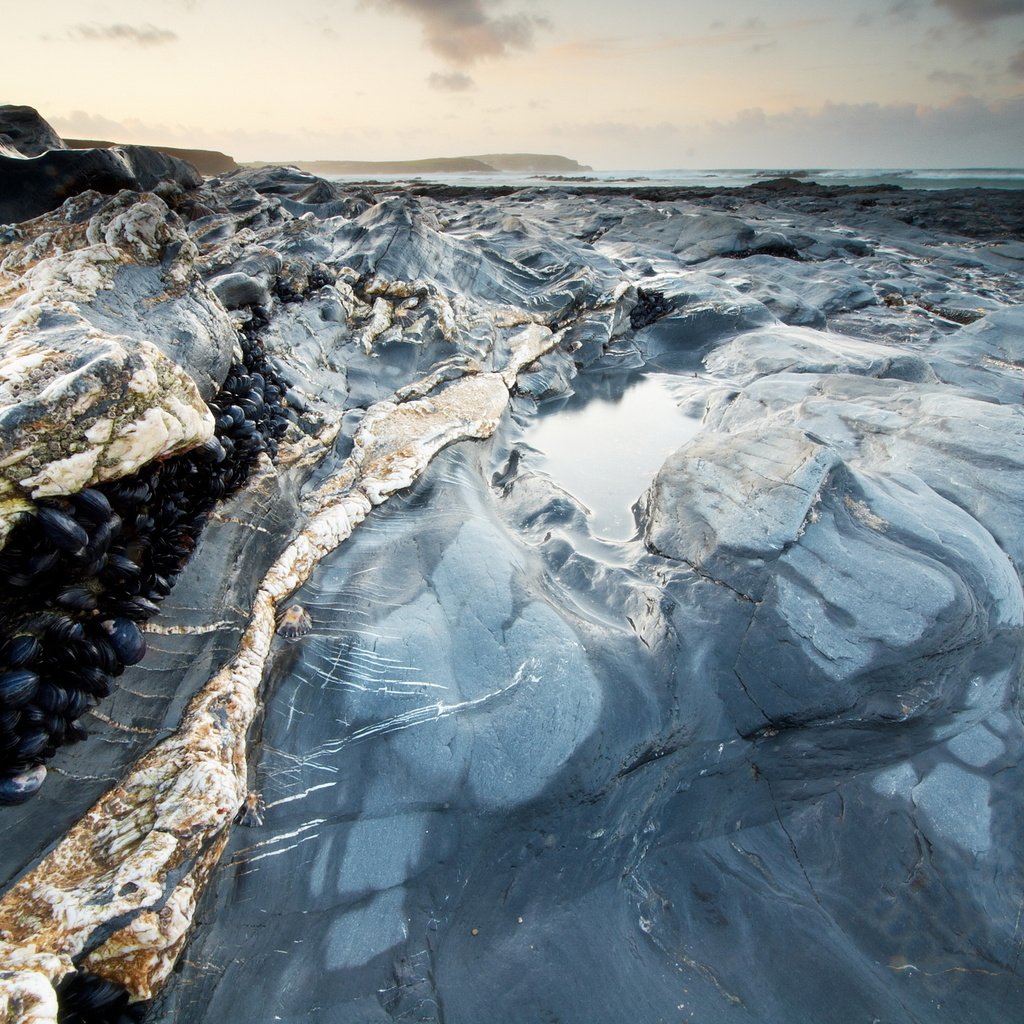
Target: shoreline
[[980, 213]]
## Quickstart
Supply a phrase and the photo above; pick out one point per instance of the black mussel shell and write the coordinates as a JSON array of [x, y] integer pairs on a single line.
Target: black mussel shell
[[32, 743], [157, 587], [94, 681], [16, 789], [9, 718], [17, 687], [33, 714], [103, 655], [62, 630], [211, 451], [39, 565], [120, 569], [138, 608], [127, 640], [61, 530], [77, 704], [19, 651], [99, 538], [75, 732], [84, 653], [86, 997], [92, 506], [78, 599], [131, 492], [21, 579], [52, 699]]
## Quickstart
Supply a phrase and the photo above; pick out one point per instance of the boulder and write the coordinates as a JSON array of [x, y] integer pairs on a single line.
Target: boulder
[[24, 131], [38, 172], [109, 344]]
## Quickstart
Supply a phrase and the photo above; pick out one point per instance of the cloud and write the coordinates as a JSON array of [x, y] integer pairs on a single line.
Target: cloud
[[456, 81], [302, 142], [136, 35], [968, 132], [974, 12], [757, 35], [904, 10], [960, 79], [1017, 64], [462, 31]]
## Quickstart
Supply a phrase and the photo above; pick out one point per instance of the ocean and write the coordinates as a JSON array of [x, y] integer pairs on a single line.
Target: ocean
[[918, 178]]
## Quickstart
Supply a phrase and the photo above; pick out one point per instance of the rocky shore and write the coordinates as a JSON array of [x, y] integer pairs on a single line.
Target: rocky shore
[[326, 694]]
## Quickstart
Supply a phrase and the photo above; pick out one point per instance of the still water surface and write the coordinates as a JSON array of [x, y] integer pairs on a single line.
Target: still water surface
[[605, 444]]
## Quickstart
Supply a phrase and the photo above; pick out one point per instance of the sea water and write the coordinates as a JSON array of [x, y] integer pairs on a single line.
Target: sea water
[[915, 178]]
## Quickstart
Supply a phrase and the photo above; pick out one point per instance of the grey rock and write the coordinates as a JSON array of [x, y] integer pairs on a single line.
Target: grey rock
[[768, 747], [38, 172], [774, 350], [110, 344], [729, 505], [26, 132], [238, 291]]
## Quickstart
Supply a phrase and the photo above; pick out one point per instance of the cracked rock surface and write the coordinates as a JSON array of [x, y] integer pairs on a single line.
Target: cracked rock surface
[[753, 757]]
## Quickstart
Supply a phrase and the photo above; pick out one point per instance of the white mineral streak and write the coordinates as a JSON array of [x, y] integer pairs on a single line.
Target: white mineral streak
[[124, 860], [27, 995]]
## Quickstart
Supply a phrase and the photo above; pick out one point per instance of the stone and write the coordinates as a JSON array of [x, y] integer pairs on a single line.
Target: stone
[[24, 131], [110, 343], [771, 724], [38, 172]]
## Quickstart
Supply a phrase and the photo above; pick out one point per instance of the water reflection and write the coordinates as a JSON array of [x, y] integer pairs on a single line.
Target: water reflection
[[606, 442]]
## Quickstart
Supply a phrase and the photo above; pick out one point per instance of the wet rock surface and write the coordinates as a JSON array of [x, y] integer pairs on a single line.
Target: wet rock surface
[[757, 758]]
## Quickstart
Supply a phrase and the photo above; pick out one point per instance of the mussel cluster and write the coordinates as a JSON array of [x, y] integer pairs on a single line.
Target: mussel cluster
[[86, 571], [319, 277], [650, 306], [84, 998]]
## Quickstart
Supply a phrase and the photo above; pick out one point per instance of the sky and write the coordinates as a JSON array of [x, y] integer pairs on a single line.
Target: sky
[[616, 85]]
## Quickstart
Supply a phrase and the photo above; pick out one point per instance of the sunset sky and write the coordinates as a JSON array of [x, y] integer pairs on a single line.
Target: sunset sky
[[643, 84]]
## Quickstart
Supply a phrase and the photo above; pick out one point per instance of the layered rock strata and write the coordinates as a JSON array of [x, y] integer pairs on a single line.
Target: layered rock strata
[[779, 725]]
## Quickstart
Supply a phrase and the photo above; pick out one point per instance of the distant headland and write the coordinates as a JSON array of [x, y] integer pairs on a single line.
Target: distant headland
[[490, 163], [212, 162], [205, 161]]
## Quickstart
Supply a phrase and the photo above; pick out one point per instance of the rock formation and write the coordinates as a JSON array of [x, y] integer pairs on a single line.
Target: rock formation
[[38, 172], [757, 761]]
